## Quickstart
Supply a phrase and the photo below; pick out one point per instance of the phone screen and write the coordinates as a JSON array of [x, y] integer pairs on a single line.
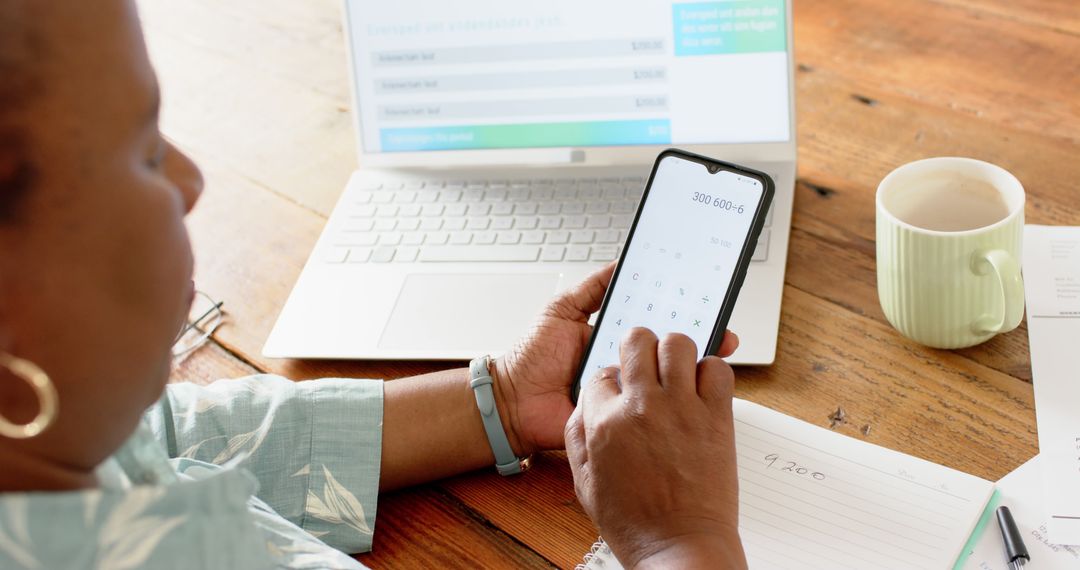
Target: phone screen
[[681, 257]]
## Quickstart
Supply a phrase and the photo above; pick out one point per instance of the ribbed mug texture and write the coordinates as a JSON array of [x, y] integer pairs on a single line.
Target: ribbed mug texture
[[927, 283]]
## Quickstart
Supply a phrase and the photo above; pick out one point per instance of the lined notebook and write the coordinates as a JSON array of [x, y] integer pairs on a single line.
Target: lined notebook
[[812, 498]]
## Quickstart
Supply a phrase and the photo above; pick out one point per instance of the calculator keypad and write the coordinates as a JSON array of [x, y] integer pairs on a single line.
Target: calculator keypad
[[680, 259]]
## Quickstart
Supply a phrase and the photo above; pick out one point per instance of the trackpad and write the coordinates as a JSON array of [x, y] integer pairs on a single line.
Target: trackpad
[[481, 312]]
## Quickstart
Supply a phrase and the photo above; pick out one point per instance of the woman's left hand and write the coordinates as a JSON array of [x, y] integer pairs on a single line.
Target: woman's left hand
[[535, 377]]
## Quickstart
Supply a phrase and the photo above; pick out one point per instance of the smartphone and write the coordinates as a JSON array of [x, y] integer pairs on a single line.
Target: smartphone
[[685, 258]]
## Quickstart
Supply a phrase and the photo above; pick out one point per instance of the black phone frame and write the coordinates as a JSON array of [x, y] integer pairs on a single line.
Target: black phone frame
[[714, 166]]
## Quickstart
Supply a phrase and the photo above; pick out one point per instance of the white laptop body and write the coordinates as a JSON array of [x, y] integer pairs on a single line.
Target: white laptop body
[[503, 147]]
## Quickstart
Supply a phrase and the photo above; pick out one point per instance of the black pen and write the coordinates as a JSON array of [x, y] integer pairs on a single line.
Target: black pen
[[1015, 551]]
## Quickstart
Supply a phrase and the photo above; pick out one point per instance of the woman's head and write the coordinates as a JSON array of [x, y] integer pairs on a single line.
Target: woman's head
[[95, 264]]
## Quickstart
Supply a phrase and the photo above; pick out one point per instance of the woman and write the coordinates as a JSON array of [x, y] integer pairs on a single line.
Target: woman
[[105, 466]]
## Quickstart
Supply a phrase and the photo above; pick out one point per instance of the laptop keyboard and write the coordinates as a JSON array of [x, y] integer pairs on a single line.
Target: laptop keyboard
[[525, 220]]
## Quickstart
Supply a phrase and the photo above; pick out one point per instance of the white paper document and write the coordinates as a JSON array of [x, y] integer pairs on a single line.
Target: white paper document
[[1052, 284], [1021, 491], [812, 498]]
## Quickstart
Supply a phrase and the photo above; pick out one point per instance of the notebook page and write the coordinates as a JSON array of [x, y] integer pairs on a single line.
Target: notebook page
[[812, 498]]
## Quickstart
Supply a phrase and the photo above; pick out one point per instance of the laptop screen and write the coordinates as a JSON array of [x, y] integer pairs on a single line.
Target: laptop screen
[[476, 74]]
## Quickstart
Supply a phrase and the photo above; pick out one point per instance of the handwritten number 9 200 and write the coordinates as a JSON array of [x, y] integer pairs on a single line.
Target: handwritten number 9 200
[[773, 461]]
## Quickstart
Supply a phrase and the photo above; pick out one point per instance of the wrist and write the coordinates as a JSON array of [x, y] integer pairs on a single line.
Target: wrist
[[690, 551], [506, 403]]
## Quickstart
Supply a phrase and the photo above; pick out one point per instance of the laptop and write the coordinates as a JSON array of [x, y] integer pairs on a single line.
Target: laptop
[[503, 148]]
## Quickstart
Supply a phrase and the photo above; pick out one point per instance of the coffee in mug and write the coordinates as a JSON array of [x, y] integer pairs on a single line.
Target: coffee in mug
[[949, 236], [949, 202]]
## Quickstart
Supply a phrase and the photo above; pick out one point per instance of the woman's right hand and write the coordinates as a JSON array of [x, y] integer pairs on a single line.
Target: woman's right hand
[[652, 448]]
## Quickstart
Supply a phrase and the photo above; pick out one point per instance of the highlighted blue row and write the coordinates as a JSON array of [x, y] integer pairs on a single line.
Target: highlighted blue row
[[527, 135]]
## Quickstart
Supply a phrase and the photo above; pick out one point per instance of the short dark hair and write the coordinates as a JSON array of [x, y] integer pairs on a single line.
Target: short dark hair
[[18, 172]]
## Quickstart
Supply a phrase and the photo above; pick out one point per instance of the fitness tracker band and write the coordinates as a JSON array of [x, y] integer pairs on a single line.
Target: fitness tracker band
[[481, 382]]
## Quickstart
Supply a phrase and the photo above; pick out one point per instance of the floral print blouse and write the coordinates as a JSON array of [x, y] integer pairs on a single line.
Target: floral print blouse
[[259, 472]]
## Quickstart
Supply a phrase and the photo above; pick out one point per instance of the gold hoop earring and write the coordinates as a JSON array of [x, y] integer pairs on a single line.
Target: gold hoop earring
[[43, 388]]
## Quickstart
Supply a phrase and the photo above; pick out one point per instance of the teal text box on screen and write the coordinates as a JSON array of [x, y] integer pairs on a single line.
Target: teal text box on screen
[[713, 28], [586, 133]]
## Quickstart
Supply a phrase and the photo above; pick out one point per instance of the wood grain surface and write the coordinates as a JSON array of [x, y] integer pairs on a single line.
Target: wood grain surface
[[256, 91]]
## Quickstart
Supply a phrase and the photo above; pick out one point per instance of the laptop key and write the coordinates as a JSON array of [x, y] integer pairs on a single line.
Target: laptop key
[[406, 254], [543, 194], [390, 238], [553, 253], [412, 238], [479, 209], [577, 253], [405, 196], [574, 222], [550, 222], [526, 222], [582, 236], [483, 253], [478, 223], [359, 254], [409, 210], [525, 208], [607, 236], [437, 238], [573, 208], [382, 254], [532, 237], [550, 208], [598, 222], [558, 237], [509, 237], [604, 252]]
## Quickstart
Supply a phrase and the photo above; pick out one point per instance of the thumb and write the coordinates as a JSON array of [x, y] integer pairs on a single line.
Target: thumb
[[585, 298]]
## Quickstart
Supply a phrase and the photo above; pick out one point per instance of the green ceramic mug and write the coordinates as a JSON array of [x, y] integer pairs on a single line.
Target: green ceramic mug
[[949, 236]]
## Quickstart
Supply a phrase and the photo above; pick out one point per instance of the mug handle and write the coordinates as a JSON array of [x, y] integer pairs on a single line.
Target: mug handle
[[1007, 270]]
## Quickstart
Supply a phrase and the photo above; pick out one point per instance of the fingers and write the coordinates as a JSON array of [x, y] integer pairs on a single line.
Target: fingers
[[574, 435], [678, 364], [728, 345], [595, 393], [586, 297], [602, 386], [637, 353], [715, 381]]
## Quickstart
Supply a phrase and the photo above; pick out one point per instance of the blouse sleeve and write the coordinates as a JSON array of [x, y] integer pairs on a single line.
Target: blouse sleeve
[[315, 447]]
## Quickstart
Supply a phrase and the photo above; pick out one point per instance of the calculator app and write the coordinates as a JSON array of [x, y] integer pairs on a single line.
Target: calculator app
[[680, 258]]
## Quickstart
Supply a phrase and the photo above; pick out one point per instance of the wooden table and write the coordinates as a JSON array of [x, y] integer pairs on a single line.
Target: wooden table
[[256, 91]]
